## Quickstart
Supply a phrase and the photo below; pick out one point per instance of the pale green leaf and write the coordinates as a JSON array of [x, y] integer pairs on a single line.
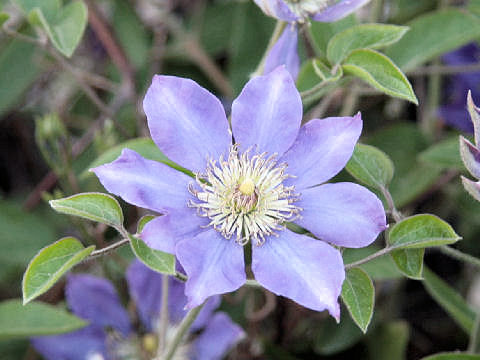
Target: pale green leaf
[[358, 294], [445, 154], [452, 356], [322, 32], [155, 259], [420, 231], [3, 17], [364, 36], [35, 319], [450, 300], [380, 72], [93, 206], [433, 34], [50, 264], [409, 262], [370, 166]]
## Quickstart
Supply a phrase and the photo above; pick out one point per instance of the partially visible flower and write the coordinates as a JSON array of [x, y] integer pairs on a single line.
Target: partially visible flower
[[109, 336], [471, 152], [284, 52], [246, 192], [453, 112]]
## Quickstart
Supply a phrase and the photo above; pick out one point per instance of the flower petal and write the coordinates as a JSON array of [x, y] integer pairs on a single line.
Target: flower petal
[[322, 149], [344, 214], [284, 52], [267, 113], [96, 299], [277, 9], [339, 10], [214, 265], [187, 122], [306, 270], [217, 339], [145, 183], [163, 232], [78, 345]]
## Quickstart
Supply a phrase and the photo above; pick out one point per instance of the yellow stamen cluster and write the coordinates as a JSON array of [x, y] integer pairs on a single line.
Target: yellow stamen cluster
[[245, 196]]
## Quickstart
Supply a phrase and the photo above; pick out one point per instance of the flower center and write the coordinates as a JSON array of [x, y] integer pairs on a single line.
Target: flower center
[[306, 8], [245, 196]]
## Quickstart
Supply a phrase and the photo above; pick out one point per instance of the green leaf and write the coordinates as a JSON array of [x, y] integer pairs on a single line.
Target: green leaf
[[143, 221], [445, 154], [409, 262], [144, 146], [380, 72], [35, 319], [370, 166], [371, 36], [93, 206], [156, 260], [420, 231], [65, 27], [3, 17], [18, 70], [452, 356], [50, 264], [322, 32], [450, 300], [433, 34], [358, 294]]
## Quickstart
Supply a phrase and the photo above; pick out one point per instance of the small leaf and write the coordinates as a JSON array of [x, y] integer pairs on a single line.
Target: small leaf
[[444, 154], [322, 32], [450, 300], [409, 262], [35, 319], [93, 206], [371, 36], [380, 72], [3, 17], [370, 166], [155, 259], [452, 356], [65, 27], [143, 221], [433, 34], [421, 231], [358, 294], [50, 264]]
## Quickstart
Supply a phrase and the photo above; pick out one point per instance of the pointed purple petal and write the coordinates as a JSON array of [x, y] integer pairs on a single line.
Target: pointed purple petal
[[472, 187], [322, 149], [78, 345], [214, 265], [144, 183], [470, 156], [186, 121], [267, 113], [277, 9], [284, 52], [306, 270], [96, 299], [344, 214], [339, 10], [163, 232], [217, 339]]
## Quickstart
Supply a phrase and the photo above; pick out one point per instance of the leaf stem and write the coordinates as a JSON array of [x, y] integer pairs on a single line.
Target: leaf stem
[[182, 330], [162, 332], [397, 216], [277, 31], [107, 249], [375, 255]]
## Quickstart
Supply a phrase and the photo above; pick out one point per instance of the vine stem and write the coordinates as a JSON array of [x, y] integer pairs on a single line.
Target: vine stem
[[456, 254], [162, 332], [107, 249], [277, 31], [183, 328]]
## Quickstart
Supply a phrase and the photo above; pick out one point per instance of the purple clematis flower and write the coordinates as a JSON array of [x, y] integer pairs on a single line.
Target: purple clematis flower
[[453, 112], [284, 52], [245, 191], [96, 300]]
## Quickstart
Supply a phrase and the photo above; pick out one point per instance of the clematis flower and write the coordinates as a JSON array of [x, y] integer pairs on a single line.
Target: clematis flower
[[96, 300], [453, 111], [246, 190], [284, 52]]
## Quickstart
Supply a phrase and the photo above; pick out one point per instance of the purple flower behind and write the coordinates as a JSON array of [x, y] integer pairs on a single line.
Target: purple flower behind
[[284, 52], [245, 191], [96, 300], [453, 112]]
